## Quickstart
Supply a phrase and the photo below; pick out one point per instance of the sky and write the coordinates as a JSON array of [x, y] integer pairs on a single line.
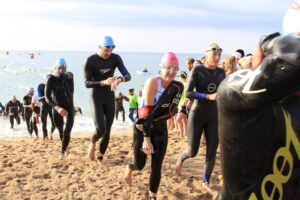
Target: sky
[[182, 26]]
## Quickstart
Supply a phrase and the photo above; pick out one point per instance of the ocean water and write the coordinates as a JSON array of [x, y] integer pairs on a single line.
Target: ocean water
[[19, 71]]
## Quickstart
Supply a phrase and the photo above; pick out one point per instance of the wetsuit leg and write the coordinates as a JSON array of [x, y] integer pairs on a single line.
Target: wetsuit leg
[[44, 113], [160, 143], [59, 122], [123, 114], [212, 141], [117, 112], [109, 110], [51, 118], [28, 114], [195, 127], [139, 157], [33, 124], [103, 115], [18, 119], [11, 120], [67, 130]]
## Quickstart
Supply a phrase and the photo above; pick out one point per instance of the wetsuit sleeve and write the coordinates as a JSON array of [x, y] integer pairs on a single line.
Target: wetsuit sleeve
[[2, 107], [88, 75], [190, 93], [20, 107], [48, 92], [7, 108], [126, 76], [66, 76]]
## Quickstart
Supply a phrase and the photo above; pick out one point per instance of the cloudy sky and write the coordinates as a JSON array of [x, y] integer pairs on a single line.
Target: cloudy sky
[[186, 26]]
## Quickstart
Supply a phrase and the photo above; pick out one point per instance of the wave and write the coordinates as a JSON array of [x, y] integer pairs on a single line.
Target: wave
[[82, 124]]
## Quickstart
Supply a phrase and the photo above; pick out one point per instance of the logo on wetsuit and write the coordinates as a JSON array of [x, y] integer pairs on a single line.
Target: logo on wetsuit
[[211, 87], [103, 71], [282, 171]]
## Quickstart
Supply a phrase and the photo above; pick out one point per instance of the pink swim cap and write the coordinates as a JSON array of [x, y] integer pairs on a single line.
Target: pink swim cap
[[169, 58]]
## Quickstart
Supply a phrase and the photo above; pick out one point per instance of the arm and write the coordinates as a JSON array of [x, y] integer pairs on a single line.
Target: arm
[[20, 107], [190, 93], [7, 108], [125, 98], [149, 95], [126, 76], [88, 75], [48, 91]]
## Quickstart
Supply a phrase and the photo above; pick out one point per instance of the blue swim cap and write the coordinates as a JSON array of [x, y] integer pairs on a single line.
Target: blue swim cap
[[108, 42], [60, 62]]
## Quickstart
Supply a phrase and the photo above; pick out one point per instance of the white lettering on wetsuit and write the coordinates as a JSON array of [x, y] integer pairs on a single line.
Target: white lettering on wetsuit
[[245, 76]]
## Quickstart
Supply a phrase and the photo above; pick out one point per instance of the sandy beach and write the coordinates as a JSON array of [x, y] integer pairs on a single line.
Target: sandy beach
[[32, 170]]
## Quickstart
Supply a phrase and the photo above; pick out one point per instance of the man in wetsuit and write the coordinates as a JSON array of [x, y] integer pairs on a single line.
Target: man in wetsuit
[[99, 77], [133, 104], [202, 88], [45, 110], [259, 115], [160, 100], [13, 110], [28, 109], [59, 95], [119, 105], [35, 118]]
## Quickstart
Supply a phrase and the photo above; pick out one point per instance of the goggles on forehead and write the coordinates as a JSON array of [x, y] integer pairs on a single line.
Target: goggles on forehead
[[215, 50], [109, 47]]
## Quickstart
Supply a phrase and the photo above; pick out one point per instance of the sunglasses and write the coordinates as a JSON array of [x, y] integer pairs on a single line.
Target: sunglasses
[[216, 50]]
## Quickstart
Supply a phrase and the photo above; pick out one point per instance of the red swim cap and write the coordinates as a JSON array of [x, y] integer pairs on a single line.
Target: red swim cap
[[169, 58]]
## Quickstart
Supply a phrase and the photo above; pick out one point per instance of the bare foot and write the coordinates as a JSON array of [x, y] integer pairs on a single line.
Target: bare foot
[[178, 167], [36, 138], [128, 175], [51, 136], [92, 151], [62, 156]]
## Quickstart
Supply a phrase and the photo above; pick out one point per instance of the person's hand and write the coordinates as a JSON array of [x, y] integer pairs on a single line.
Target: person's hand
[[211, 96], [115, 84], [61, 111], [140, 127], [108, 81], [11, 114], [147, 146]]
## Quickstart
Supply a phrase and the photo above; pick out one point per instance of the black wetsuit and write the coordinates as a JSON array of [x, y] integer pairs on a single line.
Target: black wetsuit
[[120, 107], [2, 108], [13, 109], [155, 127], [45, 110], [203, 115], [259, 126], [59, 92], [28, 112], [102, 99]]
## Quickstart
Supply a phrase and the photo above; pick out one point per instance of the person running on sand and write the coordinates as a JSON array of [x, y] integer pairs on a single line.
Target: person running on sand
[[202, 88], [119, 105], [161, 97], [59, 95], [99, 76], [34, 120], [14, 110], [28, 109], [45, 110]]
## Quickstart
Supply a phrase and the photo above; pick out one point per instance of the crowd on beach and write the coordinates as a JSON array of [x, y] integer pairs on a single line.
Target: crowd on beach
[[187, 106]]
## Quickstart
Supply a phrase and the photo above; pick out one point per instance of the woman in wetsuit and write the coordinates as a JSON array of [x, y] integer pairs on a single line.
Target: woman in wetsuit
[[161, 97], [202, 88], [59, 95], [99, 77]]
